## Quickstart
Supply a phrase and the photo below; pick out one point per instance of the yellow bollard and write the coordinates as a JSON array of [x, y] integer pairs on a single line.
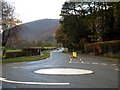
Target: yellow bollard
[[74, 54]]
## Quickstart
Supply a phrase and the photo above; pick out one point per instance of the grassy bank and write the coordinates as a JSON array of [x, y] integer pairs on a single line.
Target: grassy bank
[[13, 50], [45, 55], [115, 59]]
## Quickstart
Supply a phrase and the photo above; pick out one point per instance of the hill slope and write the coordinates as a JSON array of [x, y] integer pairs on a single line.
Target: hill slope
[[39, 30]]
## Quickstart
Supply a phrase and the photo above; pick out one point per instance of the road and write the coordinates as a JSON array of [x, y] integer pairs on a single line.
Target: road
[[22, 75]]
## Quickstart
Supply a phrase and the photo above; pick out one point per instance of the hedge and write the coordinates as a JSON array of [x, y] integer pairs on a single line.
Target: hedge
[[25, 52], [104, 47], [20, 54], [31, 51]]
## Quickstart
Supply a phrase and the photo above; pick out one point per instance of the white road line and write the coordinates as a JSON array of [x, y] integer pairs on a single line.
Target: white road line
[[47, 58], [82, 63], [38, 83], [95, 63], [77, 62], [70, 61], [81, 60], [15, 67], [114, 64], [26, 67], [104, 64], [86, 63], [0, 87], [50, 57], [117, 69]]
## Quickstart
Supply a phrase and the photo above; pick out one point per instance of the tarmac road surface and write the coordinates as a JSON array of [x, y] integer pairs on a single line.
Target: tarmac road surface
[[104, 73]]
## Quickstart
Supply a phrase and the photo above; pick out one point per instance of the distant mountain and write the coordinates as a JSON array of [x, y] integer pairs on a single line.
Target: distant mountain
[[39, 30]]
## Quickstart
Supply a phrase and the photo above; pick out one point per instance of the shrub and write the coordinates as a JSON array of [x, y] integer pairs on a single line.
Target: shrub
[[49, 48], [31, 51], [25, 52], [20, 54], [105, 47], [88, 48]]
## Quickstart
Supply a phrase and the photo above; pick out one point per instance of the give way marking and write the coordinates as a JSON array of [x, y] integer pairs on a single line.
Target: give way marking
[[38, 83]]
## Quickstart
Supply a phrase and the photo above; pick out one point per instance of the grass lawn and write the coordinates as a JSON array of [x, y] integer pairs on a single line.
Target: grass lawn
[[115, 59], [46, 54], [13, 50]]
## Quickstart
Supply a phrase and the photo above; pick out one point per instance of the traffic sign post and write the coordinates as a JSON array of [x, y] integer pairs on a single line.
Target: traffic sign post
[[74, 54]]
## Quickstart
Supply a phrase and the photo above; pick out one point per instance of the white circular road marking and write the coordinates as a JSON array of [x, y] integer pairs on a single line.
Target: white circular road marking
[[38, 83], [63, 71]]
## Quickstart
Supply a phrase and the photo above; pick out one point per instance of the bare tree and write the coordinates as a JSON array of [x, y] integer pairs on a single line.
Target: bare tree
[[9, 24]]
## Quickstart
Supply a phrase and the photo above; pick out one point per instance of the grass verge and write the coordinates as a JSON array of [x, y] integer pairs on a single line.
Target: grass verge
[[45, 55], [13, 50], [115, 59]]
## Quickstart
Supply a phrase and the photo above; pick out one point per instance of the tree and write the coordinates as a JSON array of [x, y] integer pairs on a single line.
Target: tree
[[9, 24], [60, 36], [89, 22], [116, 14], [73, 23]]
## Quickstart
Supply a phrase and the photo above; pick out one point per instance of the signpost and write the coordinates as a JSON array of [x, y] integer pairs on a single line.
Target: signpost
[[74, 54]]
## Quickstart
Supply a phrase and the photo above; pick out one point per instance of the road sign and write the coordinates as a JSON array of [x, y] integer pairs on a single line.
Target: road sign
[[74, 54]]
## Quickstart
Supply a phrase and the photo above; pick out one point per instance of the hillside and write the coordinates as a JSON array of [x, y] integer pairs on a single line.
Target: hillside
[[39, 30]]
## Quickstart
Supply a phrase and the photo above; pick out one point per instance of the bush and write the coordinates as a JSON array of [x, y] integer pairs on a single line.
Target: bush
[[20, 54], [31, 51], [45, 55], [104, 47], [24, 52], [49, 48]]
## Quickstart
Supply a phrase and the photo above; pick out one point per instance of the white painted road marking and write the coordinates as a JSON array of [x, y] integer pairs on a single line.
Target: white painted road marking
[[94, 63], [38, 83], [16, 67], [63, 71], [86, 63], [104, 64], [77, 62], [117, 69], [81, 60], [70, 61], [82, 63], [26, 67], [114, 64]]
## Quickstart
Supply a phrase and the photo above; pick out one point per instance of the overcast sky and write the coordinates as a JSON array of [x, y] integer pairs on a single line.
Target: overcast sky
[[30, 10]]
